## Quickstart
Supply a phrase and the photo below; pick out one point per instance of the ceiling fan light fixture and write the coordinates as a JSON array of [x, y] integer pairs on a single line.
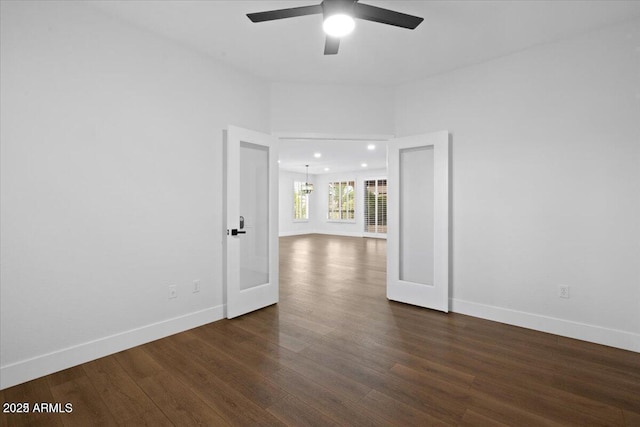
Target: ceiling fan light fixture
[[338, 25], [339, 18]]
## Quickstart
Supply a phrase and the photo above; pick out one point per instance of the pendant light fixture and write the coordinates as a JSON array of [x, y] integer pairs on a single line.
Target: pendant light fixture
[[307, 188]]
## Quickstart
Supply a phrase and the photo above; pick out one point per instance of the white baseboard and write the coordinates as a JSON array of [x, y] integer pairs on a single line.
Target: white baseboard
[[328, 233], [340, 233], [566, 328], [295, 233], [39, 366]]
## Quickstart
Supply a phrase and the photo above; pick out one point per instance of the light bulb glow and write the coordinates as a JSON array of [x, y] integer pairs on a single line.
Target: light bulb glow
[[338, 25]]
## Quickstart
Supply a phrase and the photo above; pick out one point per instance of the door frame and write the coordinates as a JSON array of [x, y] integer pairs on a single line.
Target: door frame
[[383, 138]]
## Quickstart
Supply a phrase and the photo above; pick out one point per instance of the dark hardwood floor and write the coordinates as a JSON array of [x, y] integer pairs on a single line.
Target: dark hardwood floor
[[334, 351]]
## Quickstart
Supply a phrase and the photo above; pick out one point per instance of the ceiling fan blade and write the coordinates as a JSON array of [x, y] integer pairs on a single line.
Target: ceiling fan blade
[[284, 13], [385, 16], [331, 45]]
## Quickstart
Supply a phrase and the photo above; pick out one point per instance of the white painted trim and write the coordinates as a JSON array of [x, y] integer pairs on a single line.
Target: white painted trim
[[566, 328], [382, 236], [331, 136], [39, 366], [341, 233], [295, 233], [327, 233]]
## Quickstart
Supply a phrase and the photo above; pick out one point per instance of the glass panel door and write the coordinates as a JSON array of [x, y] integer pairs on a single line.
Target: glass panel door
[[251, 197], [418, 225]]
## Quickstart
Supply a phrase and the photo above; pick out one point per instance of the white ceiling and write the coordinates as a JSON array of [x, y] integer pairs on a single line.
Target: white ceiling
[[454, 34], [343, 155]]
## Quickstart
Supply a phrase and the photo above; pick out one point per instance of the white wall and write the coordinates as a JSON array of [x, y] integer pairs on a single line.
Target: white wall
[[361, 110], [111, 183], [546, 183]]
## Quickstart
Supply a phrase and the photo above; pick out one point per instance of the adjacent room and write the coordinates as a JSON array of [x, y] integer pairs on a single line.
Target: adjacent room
[[210, 215]]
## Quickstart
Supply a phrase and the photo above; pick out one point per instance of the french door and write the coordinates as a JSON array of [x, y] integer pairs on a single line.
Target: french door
[[251, 221], [418, 222]]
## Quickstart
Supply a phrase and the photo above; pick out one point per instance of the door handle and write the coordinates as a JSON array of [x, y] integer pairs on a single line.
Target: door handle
[[235, 232]]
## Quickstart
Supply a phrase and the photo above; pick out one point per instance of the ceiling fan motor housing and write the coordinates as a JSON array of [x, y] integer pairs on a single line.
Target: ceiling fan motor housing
[[335, 7]]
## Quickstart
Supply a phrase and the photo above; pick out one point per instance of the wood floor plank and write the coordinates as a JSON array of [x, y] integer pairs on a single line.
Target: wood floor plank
[[178, 402], [424, 365], [88, 406], [251, 384], [263, 358], [335, 351], [36, 391], [607, 356], [231, 405], [344, 388], [343, 412], [138, 364], [631, 418], [474, 419], [396, 412], [294, 412], [500, 411], [602, 391], [421, 397], [280, 338], [553, 404], [118, 391], [151, 418], [383, 355]]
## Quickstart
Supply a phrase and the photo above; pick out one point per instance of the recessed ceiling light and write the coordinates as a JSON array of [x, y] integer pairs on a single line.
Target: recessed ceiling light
[[371, 147], [364, 165], [326, 169], [338, 25], [317, 155], [278, 161]]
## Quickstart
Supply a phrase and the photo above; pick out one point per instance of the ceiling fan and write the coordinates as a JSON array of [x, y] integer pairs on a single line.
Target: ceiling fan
[[338, 18]]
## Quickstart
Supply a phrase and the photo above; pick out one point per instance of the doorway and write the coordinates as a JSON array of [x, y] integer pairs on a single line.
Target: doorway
[[409, 205], [417, 185]]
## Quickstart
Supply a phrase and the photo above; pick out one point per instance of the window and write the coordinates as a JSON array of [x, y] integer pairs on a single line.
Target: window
[[342, 201], [375, 206], [300, 202]]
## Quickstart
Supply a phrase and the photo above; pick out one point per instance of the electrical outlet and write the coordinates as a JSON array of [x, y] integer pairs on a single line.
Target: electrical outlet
[[196, 286], [563, 291], [173, 291]]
